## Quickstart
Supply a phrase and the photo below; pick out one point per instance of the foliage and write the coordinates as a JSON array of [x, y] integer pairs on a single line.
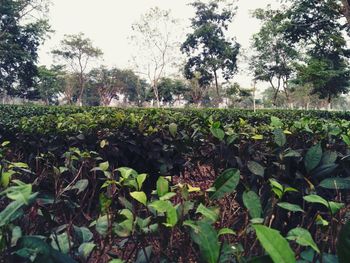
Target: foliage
[[274, 56], [155, 42], [22, 29], [283, 174], [210, 52], [322, 35], [77, 51], [49, 84]]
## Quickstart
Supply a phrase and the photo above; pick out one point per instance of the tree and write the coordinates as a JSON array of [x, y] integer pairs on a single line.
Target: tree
[[274, 56], [22, 30], [317, 26], [156, 43], [210, 53], [196, 92], [107, 82], [70, 87], [135, 88], [49, 84], [78, 51], [329, 78], [171, 89], [238, 96]]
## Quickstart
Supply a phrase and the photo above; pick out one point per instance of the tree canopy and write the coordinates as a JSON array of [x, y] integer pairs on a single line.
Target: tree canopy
[[209, 51], [22, 29]]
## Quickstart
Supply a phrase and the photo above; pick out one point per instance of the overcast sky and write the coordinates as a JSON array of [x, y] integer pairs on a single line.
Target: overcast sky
[[108, 24]]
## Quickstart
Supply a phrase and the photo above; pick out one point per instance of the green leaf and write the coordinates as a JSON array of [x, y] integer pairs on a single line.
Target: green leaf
[[173, 129], [218, 133], [166, 207], [143, 255], [205, 236], [329, 157], [85, 249], [124, 227], [171, 217], [290, 207], [21, 165], [257, 137], [5, 178], [5, 143], [167, 196], [324, 170], [343, 245], [226, 231], [316, 199], [140, 180], [143, 223], [116, 261], [291, 153], [208, 213], [160, 206], [274, 244], [313, 157], [126, 172], [21, 192], [252, 202], [276, 122], [302, 237], [336, 183], [83, 234], [256, 168], [346, 139], [225, 183], [104, 166], [279, 137], [102, 225], [60, 242], [10, 212], [162, 186], [35, 244], [335, 207], [81, 185], [15, 235], [139, 196]]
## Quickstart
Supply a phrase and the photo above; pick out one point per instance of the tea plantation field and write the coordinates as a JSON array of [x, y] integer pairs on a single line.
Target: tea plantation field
[[113, 185]]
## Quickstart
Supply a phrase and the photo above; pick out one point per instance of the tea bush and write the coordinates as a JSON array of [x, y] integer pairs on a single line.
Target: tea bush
[[202, 185]]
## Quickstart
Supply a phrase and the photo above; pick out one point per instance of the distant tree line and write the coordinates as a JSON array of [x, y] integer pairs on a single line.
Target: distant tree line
[[300, 52]]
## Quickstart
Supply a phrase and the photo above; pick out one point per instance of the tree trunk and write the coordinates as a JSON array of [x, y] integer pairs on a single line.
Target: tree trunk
[[81, 90], [216, 83], [156, 94], [254, 90], [329, 103]]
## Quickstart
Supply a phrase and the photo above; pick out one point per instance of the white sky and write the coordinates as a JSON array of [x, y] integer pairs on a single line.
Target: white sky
[[108, 24]]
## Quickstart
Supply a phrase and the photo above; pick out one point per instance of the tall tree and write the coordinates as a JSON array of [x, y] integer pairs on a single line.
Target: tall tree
[[317, 26], [238, 96], [156, 41], [136, 88], [210, 53], [273, 57], [107, 82], [78, 51], [22, 29], [49, 84], [172, 89]]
